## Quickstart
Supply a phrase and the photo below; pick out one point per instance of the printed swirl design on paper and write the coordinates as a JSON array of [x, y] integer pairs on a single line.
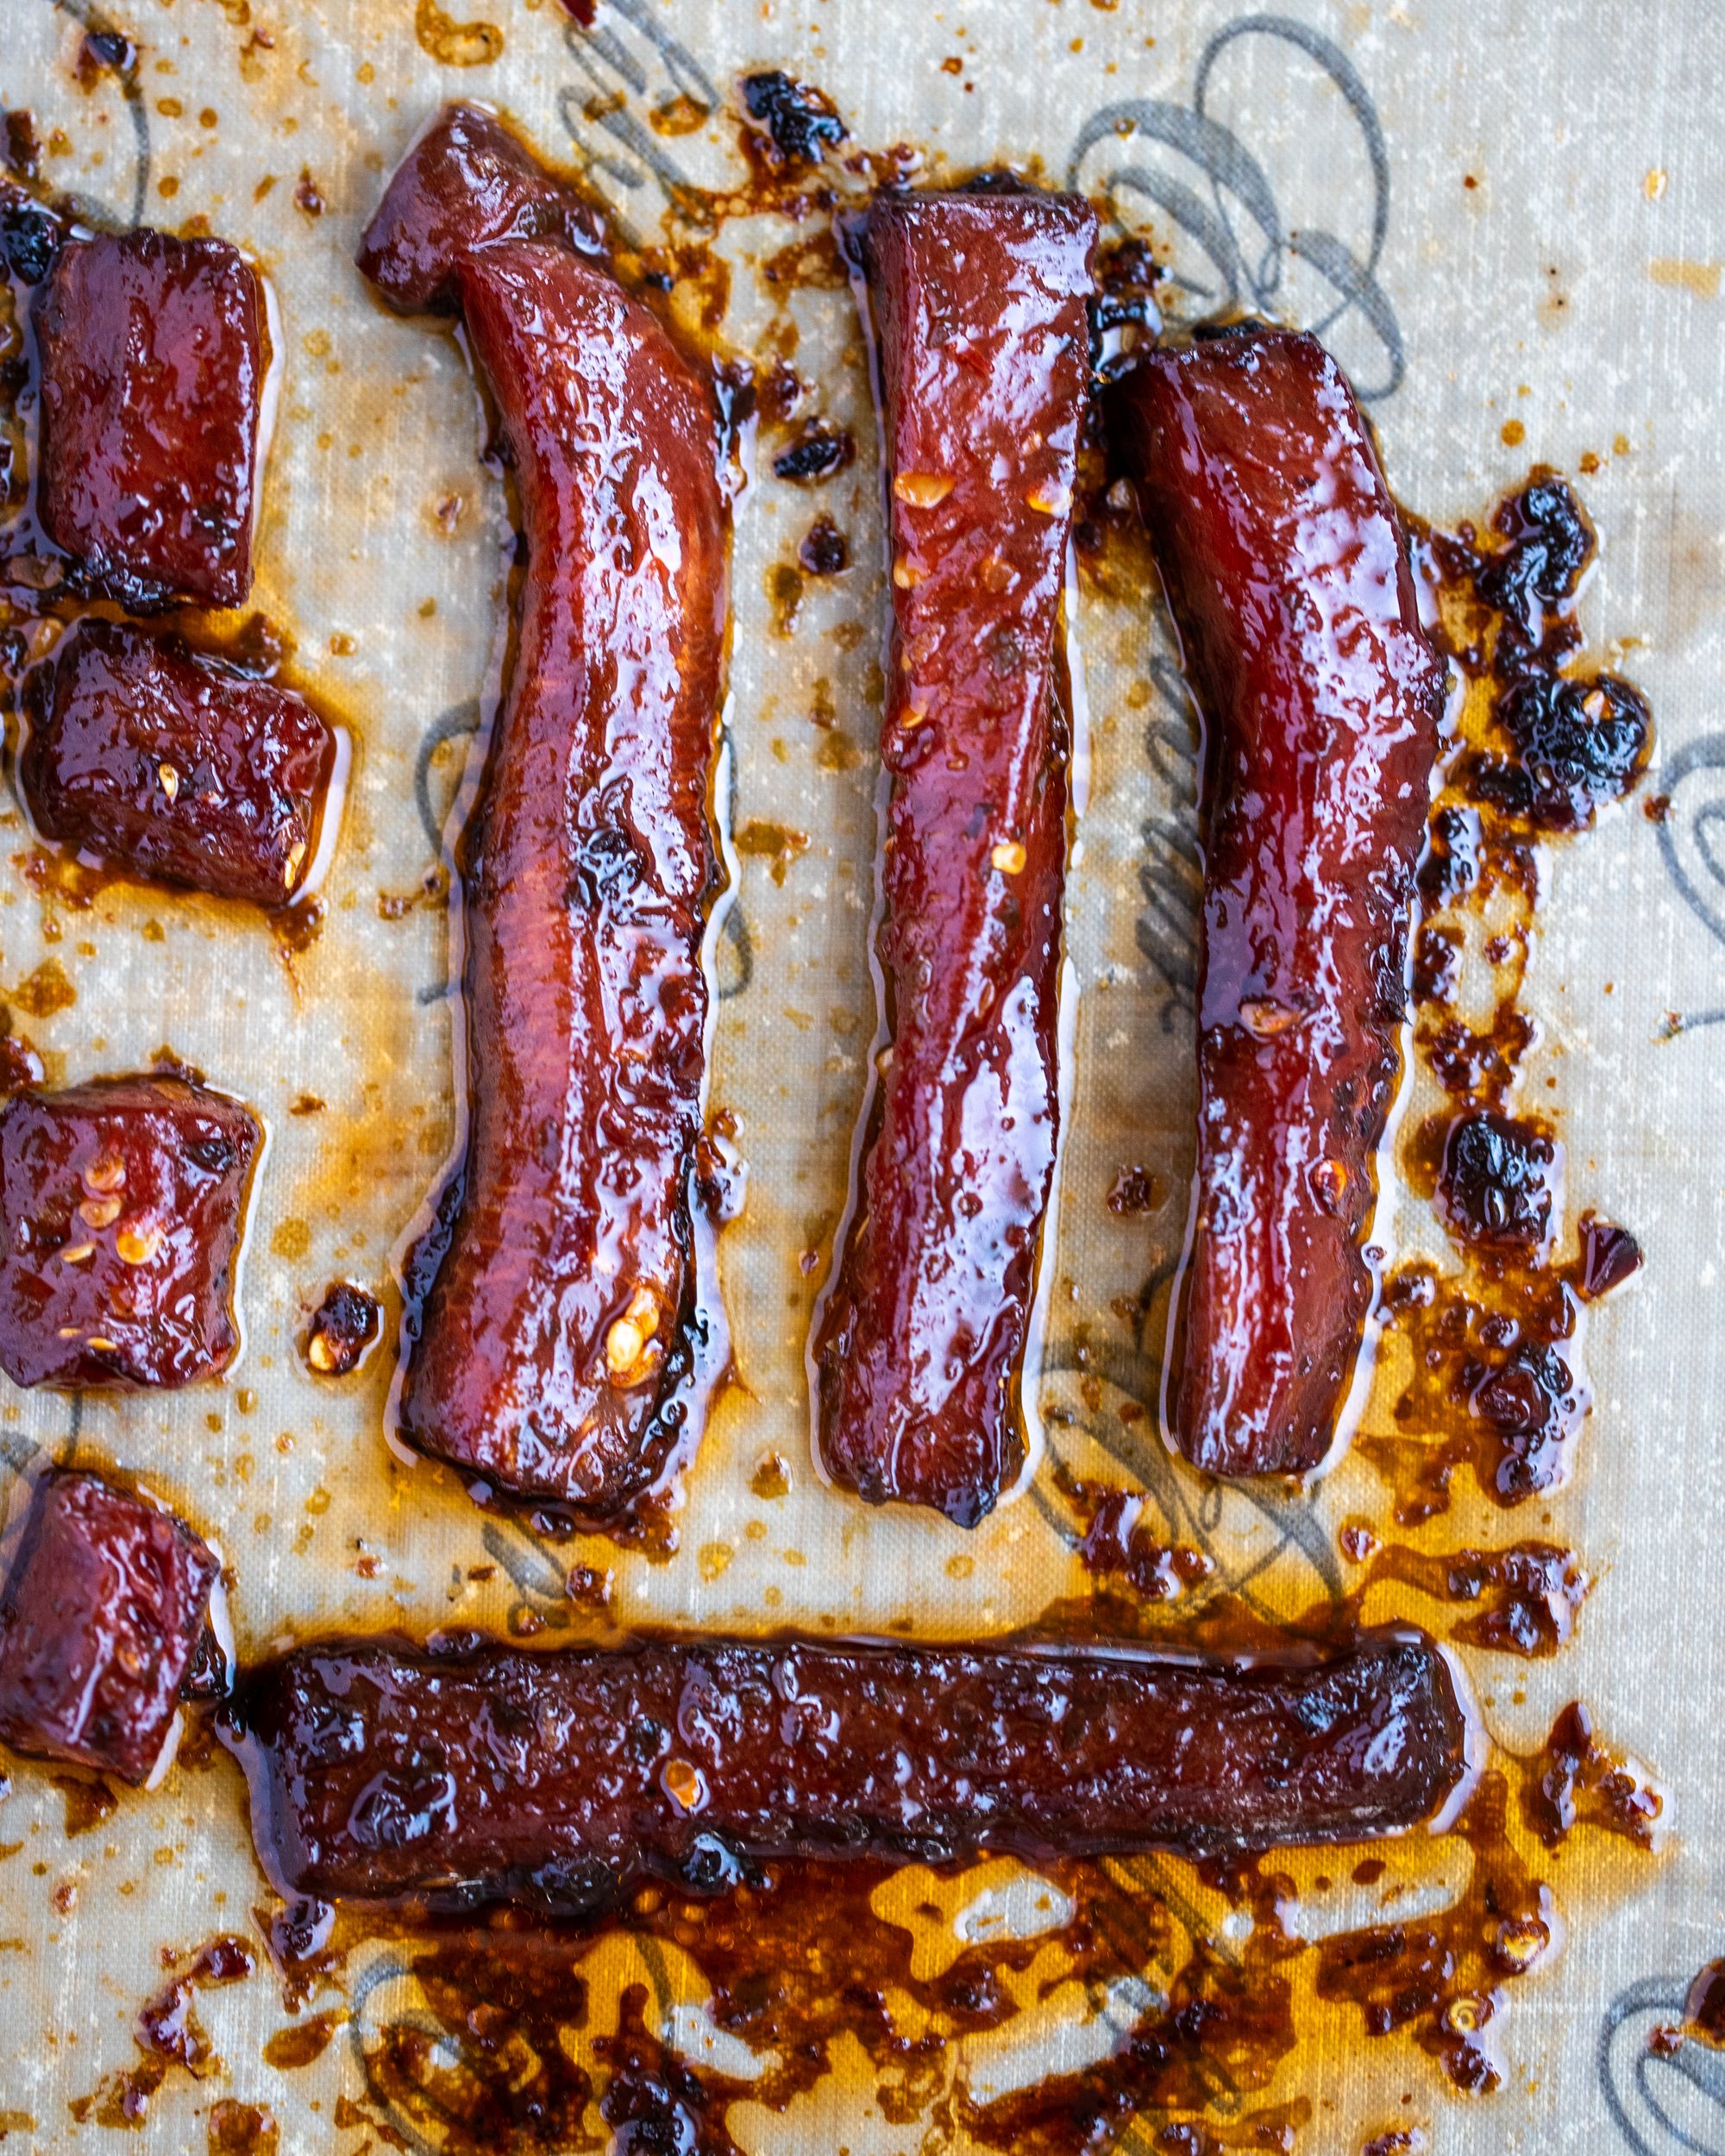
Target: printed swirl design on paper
[[1231, 221], [1661, 2104], [1693, 845]]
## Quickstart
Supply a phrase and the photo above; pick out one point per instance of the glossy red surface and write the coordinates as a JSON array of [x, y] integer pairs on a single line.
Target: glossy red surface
[[120, 1206], [148, 756], [552, 1339], [102, 1615], [377, 1772], [467, 183], [153, 353], [982, 348], [1287, 573]]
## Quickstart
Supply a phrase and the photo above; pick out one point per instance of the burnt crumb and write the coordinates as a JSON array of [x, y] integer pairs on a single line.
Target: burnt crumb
[[342, 1327], [103, 53], [797, 121], [31, 237], [1610, 1256], [1579, 744], [1437, 965], [817, 454], [824, 550], [1497, 1184], [306, 195], [781, 391], [20, 146], [1124, 310], [1452, 865], [1551, 543]]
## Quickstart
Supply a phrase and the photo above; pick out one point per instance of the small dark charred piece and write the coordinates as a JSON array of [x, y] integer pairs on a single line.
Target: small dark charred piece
[[796, 124], [342, 1328], [1287, 573], [153, 353], [819, 453], [121, 1208], [151, 757], [377, 1772], [560, 1319], [978, 304], [1570, 744], [1499, 1183], [31, 233], [104, 1612], [824, 550], [1577, 745]]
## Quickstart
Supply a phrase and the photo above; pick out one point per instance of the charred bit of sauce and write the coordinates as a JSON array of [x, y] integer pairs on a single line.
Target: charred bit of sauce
[[342, 1329]]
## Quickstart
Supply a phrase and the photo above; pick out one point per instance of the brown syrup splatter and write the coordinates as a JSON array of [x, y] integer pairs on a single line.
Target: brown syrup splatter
[[1523, 1599], [453, 44], [89, 1800], [241, 2129], [301, 2042], [168, 2034]]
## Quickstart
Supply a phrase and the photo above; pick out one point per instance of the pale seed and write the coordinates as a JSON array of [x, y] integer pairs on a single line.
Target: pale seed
[[107, 1173], [683, 1784], [99, 1212], [1265, 1017], [630, 1351], [168, 778], [1009, 857], [922, 490], [138, 1245]]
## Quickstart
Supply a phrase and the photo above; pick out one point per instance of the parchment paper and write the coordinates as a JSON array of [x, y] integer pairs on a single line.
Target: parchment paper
[[1538, 189]]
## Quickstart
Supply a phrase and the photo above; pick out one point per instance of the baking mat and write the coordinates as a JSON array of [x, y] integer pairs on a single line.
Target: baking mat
[[1508, 222]]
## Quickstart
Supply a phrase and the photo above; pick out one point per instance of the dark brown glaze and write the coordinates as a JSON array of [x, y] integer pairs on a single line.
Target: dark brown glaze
[[153, 353], [467, 183], [103, 1611], [558, 1328], [1286, 569], [378, 1773], [148, 756], [981, 350], [122, 1203]]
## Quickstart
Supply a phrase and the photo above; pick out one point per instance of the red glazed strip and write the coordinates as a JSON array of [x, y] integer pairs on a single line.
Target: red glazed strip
[[555, 1332], [1285, 566], [378, 1773], [981, 334]]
